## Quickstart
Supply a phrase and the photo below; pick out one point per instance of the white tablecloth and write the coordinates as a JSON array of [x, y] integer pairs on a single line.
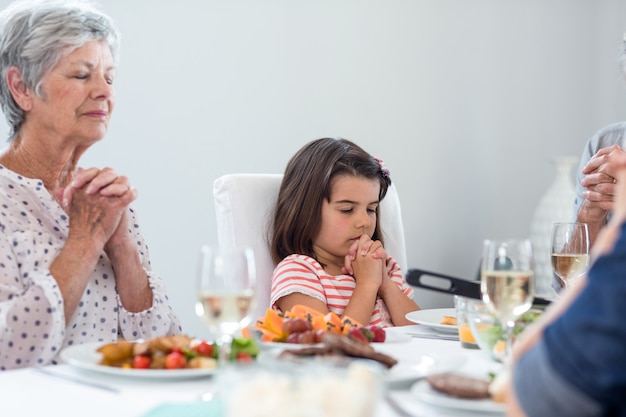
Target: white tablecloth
[[28, 392]]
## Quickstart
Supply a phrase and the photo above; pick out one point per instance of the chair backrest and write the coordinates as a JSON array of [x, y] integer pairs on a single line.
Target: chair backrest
[[244, 205]]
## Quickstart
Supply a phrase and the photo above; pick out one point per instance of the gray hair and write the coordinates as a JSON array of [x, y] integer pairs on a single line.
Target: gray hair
[[35, 34]]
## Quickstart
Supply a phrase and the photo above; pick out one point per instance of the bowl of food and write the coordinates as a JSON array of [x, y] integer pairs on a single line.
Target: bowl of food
[[488, 332], [316, 387]]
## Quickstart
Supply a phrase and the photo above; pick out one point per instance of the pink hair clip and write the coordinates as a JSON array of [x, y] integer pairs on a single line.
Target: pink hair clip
[[383, 168]]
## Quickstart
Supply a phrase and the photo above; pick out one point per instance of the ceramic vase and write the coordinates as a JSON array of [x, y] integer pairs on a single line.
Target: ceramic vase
[[556, 205]]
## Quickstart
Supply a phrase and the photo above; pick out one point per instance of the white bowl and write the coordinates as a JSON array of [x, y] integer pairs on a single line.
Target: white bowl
[[308, 388]]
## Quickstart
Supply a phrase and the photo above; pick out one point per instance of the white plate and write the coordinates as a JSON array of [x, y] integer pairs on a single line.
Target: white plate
[[411, 365], [418, 365], [426, 394], [432, 318], [87, 357], [395, 335]]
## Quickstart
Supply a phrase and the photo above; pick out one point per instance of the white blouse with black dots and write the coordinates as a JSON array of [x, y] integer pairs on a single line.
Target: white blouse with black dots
[[33, 230]]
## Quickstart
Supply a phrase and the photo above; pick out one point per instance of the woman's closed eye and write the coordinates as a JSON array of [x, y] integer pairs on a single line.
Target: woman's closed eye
[[86, 76], [351, 210]]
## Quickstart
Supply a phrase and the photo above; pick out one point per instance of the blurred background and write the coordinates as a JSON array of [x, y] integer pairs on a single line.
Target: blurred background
[[465, 101]]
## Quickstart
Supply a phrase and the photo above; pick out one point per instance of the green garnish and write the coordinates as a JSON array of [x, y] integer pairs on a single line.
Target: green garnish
[[244, 345]]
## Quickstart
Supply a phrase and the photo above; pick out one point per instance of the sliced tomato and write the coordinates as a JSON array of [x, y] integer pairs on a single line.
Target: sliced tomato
[[244, 357], [175, 360], [204, 349], [141, 362]]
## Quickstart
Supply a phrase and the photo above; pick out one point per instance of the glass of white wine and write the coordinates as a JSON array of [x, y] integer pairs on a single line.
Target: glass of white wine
[[507, 282], [226, 286], [570, 251]]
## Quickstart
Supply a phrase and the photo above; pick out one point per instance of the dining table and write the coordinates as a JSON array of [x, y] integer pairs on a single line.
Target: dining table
[[68, 390]]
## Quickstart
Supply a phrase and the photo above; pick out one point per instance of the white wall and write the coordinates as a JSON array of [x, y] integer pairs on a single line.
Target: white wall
[[466, 101]]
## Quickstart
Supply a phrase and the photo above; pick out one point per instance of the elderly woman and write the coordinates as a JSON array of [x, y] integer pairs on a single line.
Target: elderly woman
[[74, 266]]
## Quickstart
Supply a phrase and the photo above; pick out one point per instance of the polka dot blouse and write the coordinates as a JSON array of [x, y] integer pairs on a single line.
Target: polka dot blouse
[[33, 230]]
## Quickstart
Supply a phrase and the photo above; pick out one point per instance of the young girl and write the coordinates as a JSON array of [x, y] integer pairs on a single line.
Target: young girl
[[327, 239]]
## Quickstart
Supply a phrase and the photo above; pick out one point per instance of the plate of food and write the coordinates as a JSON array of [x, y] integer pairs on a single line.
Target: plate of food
[[392, 335], [439, 319], [463, 393], [341, 350], [87, 357], [169, 357]]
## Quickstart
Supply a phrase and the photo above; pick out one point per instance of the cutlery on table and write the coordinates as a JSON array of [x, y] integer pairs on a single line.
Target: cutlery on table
[[76, 380], [433, 336]]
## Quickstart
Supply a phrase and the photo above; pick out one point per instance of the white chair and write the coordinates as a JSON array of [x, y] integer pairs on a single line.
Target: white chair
[[244, 205]]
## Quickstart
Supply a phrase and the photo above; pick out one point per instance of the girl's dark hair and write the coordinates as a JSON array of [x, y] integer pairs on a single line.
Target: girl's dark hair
[[307, 183]]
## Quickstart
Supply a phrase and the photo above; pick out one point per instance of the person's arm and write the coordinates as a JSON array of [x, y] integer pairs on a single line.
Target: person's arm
[[144, 306], [154, 316], [366, 262], [296, 280], [598, 183], [31, 303], [595, 185], [395, 293], [93, 218], [131, 279], [540, 390]]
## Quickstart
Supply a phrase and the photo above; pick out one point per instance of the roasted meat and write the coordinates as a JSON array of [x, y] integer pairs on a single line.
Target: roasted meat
[[340, 345], [460, 386]]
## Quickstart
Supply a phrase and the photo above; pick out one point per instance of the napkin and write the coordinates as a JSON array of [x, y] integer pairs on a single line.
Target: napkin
[[196, 409]]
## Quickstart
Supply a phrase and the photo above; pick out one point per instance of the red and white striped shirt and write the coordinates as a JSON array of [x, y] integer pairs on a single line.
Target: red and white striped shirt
[[303, 274]]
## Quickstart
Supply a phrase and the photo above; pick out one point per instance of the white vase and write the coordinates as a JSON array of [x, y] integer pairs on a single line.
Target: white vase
[[556, 205]]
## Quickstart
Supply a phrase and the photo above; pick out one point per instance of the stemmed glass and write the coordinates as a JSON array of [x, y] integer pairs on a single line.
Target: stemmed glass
[[226, 284], [570, 251], [507, 282]]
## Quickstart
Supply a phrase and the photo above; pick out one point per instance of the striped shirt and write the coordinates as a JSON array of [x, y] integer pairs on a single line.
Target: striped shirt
[[303, 274]]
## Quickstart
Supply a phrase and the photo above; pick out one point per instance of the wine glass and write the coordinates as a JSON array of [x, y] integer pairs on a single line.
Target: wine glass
[[570, 251], [507, 282], [226, 285]]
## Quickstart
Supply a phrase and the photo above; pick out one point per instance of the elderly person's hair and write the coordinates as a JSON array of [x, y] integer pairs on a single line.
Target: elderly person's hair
[[34, 35]]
